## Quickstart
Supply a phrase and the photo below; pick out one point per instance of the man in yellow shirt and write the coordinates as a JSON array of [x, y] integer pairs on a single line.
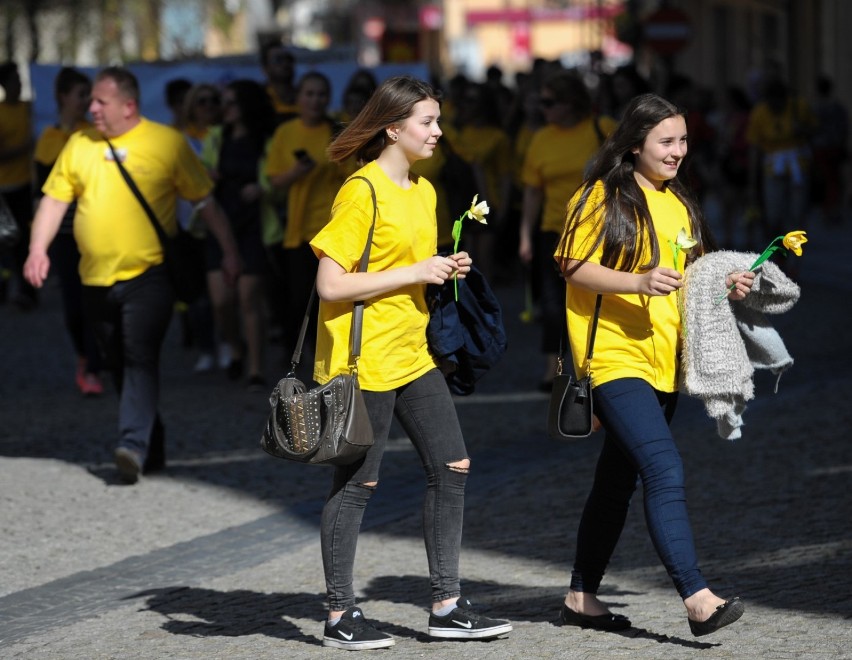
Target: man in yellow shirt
[[126, 289]]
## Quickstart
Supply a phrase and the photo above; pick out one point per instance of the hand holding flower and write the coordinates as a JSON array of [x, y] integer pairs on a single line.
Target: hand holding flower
[[791, 241], [739, 284], [463, 263]]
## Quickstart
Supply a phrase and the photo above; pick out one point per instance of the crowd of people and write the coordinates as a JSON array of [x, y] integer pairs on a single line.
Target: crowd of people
[[586, 179]]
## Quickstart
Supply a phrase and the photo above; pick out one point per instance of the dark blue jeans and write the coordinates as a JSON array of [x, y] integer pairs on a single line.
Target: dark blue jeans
[[130, 319], [427, 413], [638, 443]]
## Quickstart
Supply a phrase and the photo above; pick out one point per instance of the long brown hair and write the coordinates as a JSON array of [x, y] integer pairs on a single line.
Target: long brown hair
[[393, 102], [626, 219]]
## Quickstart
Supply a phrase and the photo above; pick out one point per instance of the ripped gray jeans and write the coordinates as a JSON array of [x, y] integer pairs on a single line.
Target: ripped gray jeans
[[426, 412]]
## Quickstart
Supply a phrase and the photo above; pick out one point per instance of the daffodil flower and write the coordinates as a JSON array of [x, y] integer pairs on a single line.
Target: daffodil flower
[[684, 242], [792, 241], [477, 212]]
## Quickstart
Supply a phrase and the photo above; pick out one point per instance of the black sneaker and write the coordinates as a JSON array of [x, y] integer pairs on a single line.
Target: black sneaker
[[462, 623], [352, 632]]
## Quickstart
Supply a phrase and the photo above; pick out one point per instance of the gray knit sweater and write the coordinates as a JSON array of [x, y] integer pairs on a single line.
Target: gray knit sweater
[[724, 342]]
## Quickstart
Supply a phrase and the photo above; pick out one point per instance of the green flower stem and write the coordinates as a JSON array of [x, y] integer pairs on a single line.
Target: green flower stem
[[457, 227], [679, 293]]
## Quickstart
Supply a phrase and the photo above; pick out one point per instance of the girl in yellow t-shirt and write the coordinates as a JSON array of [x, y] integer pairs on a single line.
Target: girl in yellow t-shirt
[[397, 127], [619, 242], [298, 168], [72, 90], [553, 169]]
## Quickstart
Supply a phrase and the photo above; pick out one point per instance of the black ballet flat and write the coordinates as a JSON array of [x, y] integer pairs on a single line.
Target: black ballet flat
[[607, 622], [725, 614]]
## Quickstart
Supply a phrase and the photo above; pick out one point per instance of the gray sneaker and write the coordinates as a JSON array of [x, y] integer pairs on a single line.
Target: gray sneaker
[[129, 464]]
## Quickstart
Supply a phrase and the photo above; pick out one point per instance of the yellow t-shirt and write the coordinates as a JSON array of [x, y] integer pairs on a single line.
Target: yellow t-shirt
[[393, 346], [15, 131], [770, 132], [638, 336], [281, 108], [308, 199], [555, 161], [115, 236], [491, 148], [51, 141]]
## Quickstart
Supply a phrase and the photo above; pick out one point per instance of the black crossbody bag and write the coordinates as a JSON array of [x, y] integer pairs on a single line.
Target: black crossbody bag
[[570, 412]]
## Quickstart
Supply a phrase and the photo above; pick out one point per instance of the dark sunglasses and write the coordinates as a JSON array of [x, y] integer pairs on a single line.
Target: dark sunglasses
[[547, 103], [207, 100]]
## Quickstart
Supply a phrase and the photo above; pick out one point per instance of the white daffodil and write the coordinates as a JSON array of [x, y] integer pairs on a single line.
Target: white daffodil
[[478, 211], [685, 241]]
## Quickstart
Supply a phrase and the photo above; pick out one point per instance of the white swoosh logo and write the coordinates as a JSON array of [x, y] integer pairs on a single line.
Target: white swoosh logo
[[464, 624], [348, 637]]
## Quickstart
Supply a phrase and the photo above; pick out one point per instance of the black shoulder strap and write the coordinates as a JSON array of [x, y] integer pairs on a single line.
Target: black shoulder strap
[[161, 233], [592, 334], [358, 306]]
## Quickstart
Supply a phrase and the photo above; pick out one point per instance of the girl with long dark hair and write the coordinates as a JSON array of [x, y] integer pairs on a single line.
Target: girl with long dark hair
[[630, 230]]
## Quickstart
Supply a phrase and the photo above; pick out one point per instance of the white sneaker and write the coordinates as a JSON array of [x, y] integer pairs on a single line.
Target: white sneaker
[[204, 363]]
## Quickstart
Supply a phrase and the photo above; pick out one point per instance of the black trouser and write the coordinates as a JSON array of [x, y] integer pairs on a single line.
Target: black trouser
[[130, 319]]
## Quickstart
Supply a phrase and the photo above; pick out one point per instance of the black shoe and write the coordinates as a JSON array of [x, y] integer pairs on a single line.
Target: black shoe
[[609, 622], [129, 464], [725, 614], [352, 632], [462, 623]]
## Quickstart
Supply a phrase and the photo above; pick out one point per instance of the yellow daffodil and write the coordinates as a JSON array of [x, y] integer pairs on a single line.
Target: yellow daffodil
[[794, 240], [478, 211]]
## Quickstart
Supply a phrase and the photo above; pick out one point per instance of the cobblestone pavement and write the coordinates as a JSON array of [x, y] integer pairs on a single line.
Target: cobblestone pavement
[[218, 557]]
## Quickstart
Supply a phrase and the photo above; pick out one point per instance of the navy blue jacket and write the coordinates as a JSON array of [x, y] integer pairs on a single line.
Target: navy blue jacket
[[467, 336]]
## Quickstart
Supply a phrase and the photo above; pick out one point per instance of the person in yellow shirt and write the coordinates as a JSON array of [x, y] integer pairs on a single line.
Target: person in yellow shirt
[[778, 131], [297, 164], [16, 153], [279, 66], [126, 288], [553, 169], [398, 375], [619, 243], [72, 90], [482, 142]]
